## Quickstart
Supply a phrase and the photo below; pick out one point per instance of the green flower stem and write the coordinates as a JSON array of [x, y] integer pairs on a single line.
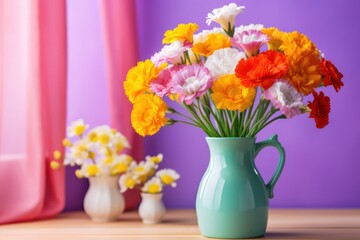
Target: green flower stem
[[189, 123], [282, 116], [204, 116], [258, 124], [231, 122], [226, 122], [249, 118], [234, 125], [218, 121], [207, 120], [187, 57], [259, 110], [199, 121]]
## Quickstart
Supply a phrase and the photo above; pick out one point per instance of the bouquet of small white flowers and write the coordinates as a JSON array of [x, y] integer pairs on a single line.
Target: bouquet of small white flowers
[[97, 151], [145, 176]]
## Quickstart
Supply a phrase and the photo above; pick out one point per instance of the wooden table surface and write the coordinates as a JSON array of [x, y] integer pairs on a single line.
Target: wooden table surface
[[181, 224]]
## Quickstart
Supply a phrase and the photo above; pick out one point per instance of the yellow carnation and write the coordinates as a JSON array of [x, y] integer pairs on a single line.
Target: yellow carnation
[[295, 42], [275, 37], [305, 71], [148, 114], [183, 32], [213, 42], [138, 79], [229, 94]]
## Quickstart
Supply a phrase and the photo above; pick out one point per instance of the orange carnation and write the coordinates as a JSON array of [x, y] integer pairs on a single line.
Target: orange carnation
[[320, 109], [331, 75], [262, 70], [212, 43]]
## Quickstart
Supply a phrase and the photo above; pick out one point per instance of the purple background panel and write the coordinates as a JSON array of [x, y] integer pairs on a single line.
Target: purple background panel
[[322, 165]]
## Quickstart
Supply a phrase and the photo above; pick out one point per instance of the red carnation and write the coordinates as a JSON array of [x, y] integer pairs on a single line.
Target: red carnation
[[262, 70], [320, 109], [331, 75]]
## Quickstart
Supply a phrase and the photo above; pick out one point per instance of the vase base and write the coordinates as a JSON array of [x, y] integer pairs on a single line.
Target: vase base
[[235, 237]]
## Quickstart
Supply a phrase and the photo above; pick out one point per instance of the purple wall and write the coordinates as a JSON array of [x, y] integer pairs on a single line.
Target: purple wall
[[87, 96], [322, 165]]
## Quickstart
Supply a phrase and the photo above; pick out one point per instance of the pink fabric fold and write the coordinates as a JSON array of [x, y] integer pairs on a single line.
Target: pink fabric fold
[[32, 107], [120, 40]]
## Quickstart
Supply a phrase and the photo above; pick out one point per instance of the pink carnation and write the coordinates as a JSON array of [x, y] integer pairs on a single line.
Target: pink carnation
[[285, 97], [190, 82], [250, 41], [161, 86]]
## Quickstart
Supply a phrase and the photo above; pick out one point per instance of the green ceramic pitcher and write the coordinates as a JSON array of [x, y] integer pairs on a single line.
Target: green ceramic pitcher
[[232, 199]]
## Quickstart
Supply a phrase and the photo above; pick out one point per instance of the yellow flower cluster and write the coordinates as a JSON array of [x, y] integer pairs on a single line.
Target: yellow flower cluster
[[148, 114]]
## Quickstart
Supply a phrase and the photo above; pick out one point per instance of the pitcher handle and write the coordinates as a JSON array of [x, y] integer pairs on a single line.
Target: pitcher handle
[[273, 141]]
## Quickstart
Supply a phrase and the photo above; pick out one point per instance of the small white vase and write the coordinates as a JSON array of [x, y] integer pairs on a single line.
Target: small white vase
[[103, 201], [151, 209]]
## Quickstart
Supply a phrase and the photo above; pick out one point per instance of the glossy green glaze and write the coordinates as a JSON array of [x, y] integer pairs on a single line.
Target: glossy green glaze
[[232, 199]]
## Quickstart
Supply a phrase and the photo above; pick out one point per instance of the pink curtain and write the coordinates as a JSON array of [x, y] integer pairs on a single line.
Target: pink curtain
[[32, 107], [119, 30]]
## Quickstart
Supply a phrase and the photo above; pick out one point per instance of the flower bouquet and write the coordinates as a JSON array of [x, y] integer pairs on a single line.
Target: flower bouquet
[[97, 152], [231, 82], [145, 176]]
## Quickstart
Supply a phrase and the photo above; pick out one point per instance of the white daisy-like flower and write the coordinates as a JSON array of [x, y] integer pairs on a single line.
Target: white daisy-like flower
[[202, 36], [168, 176], [90, 170], [223, 61], [78, 153], [249, 27], [155, 159], [127, 181], [76, 128], [285, 97], [119, 142], [144, 168], [154, 185], [103, 134], [172, 53], [225, 15]]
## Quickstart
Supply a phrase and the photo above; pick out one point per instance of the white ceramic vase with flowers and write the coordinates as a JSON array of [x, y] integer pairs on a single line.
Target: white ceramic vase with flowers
[[150, 181], [98, 154]]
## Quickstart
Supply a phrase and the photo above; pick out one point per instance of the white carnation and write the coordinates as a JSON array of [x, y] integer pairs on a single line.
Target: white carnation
[[223, 61], [225, 15]]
